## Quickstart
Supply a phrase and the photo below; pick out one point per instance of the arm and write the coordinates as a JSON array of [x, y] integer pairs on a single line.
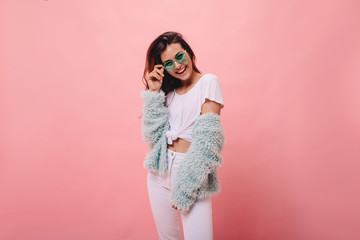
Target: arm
[[155, 116], [210, 106], [202, 158]]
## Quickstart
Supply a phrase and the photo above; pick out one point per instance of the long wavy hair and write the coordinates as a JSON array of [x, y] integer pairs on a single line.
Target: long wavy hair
[[154, 52]]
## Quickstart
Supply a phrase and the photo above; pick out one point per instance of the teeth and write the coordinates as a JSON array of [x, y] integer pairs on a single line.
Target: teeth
[[182, 71]]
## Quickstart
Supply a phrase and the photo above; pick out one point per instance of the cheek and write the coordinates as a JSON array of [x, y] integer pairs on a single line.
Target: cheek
[[189, 63]]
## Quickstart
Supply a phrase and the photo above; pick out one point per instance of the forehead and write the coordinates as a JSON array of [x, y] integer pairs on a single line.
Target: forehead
[[170, 52]]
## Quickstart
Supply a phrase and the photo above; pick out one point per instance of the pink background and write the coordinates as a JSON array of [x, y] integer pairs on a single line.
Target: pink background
[[71, 151]]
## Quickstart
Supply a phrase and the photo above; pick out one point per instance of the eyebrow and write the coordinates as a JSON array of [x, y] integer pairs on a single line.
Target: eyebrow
[[175, 56]]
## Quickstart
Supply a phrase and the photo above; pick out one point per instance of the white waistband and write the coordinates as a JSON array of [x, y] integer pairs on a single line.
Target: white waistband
[[177, 153]]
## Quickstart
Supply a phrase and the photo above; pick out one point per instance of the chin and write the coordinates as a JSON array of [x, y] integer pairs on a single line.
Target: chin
[[187, 76]]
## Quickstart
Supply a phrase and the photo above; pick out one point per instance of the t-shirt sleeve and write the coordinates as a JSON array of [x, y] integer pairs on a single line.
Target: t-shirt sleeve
[[212, 90]]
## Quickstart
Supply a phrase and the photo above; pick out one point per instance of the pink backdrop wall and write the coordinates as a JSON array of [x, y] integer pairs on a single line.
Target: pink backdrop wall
[[71, 151]]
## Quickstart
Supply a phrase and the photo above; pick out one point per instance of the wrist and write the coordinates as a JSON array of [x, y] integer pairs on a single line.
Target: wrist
[[154, 90]]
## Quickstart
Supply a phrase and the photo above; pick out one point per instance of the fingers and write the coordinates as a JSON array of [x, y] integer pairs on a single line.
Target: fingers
[[173, 206], [160, 71], [155, 75], [154, 78], [158, 66]]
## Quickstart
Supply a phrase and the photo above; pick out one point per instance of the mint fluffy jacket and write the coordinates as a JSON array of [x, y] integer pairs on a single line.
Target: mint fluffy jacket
[[196, 177]]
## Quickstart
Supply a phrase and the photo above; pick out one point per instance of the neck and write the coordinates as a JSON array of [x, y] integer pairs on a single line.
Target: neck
[[193, 78]]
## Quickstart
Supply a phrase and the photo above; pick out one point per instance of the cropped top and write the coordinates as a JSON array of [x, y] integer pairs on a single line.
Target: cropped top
[[185, 108]]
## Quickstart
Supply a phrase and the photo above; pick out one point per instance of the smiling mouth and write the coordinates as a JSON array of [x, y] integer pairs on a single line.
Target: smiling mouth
[[182, 70]]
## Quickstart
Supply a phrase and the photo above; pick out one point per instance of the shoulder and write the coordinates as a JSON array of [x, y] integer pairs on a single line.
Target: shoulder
[[211, 90], [210, 79]]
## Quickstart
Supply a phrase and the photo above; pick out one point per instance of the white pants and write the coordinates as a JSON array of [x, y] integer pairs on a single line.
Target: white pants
[[197, 223]]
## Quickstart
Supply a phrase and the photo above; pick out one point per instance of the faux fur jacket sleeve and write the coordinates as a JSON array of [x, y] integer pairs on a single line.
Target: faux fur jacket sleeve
[[155, 116], [196, 176], [154, 126]]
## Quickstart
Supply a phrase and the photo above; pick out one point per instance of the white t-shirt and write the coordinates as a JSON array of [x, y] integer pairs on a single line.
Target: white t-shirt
[[185, 108]]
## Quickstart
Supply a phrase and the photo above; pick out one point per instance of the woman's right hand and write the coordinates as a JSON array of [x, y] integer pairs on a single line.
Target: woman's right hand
[[154, 78]]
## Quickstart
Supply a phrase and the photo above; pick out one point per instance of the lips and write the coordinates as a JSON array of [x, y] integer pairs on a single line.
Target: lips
[[182, 71]]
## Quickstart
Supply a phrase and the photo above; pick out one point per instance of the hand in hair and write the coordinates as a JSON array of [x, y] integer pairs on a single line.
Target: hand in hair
[[154, 78]]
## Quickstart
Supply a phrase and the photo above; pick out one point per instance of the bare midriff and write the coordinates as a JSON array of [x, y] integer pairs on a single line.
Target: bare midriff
[[179, 145]]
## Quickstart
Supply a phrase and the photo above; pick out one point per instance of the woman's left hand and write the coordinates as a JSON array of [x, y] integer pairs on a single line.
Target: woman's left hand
[[173, 206]]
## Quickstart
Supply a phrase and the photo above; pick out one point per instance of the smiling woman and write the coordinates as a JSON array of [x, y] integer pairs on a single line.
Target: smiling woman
[[181, 124]]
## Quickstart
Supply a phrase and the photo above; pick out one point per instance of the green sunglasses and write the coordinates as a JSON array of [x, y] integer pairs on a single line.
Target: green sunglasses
[[180, 58]]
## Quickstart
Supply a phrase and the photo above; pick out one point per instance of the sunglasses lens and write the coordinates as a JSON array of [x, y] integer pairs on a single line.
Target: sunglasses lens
[[181, 57], [169, 65]]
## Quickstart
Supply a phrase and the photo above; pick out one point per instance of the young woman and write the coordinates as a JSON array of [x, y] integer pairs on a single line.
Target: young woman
[[181, 124]]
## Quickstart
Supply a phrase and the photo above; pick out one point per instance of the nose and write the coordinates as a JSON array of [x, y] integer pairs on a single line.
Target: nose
[[177, 65]]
